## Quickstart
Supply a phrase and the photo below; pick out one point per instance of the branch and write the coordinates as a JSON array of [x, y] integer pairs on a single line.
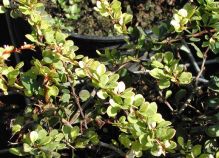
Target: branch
[[202, 66], [77, 114], [202, 33], [170, 40], [76, 98], [191, 57], [186, 104], [109, 146]]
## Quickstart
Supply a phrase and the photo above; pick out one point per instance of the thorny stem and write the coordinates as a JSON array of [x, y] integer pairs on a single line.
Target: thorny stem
[[202, 66]]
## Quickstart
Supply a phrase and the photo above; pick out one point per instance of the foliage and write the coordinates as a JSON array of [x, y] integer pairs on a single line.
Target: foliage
[[166, 69], [190, 151], [56, 80], [73, 97], [114, 11], [71, 8]]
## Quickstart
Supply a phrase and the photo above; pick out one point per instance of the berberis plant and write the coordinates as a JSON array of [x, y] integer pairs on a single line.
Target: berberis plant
[[76, 101]]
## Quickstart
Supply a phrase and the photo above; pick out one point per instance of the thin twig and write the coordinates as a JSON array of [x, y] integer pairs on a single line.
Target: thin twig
[[211, 61], [77, 114], [196, 110], [186, 104], [202, 33], [202, 66], [68, 144], [169, 40], [203, 80], [166, 102], [191, 57], [76, 98], [109, 146], [168, 105], [141, 72]]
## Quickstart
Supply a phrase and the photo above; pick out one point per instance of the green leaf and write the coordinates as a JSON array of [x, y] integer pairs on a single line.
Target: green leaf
[[12, 76], [185, 78], [170, 133], [114, 78], [74, 132], [194, 39], [217, 154], [198, 51], [84, 95], [3, 86], [168, 94], [156, 151], [213, 131], [42, 134], [116, 5], [27, 148], [30, 37], [157, 73], [196, 150], [112, 111], [19, 65], [163, 84], [102, 94], [93, 137], [127, 18], [120, 87], [118, 28], [164, 124], [132, 119], [138, 100], [157, 64], [103, 80], [190, 10], [127, 103], [168, 57], [2, 10], [66, 129], [65, 98], [53, 91], [180, 141], [172, 145], [127, 94], [148, 109], [6, 3], [143, 139], [136, 146], [33, 136], [17, 151], [165, 133], [80, 72], [16, 128], [101, 69], [124, 140], [58, 137]]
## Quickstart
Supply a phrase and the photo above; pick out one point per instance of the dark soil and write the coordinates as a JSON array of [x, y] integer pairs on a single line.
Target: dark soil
[[147, 13]]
